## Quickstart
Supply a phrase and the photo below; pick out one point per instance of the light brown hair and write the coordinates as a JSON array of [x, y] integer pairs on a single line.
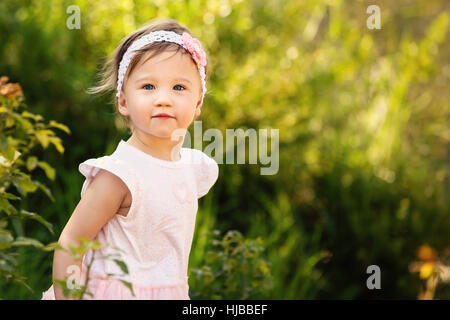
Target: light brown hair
[[108, 75]]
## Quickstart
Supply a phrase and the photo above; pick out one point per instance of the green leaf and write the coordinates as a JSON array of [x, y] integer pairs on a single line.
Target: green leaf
[[53, 246], [31, 163], [122, 265], [26, 125], [74, 251], [5, 239], [35, 117], [57, 143], [59, 126], [7, 207], [129, 285], [42, 138], [35, 216], [45, 189], [10, 196], [9, 258], [10, 122], [96, 245], [24, 241], [49, 171], [25, 183], [11, 155]]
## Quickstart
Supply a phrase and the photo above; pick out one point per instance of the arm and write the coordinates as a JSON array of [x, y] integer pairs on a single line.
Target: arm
[[99, 204]]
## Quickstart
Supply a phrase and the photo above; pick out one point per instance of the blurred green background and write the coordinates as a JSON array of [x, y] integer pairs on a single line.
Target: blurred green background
[[363, 119]]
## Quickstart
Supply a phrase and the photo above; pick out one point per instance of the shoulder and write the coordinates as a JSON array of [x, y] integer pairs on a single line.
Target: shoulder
[[199, 157], [102, 195], [114, 165], [109, 173], [109, 184], [206, 171]]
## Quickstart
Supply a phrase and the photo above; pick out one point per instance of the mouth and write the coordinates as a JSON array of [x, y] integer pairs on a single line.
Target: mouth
[[163, 116]]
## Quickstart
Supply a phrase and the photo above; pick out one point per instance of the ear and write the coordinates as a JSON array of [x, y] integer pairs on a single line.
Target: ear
[[198, 108], [123, 104]]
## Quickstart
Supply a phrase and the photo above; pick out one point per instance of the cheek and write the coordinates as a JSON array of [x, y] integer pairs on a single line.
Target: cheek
[[139, 103], [188, 116], [139, 99]]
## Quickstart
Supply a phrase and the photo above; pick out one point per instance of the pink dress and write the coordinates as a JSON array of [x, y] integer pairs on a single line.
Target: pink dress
[[156, 235]]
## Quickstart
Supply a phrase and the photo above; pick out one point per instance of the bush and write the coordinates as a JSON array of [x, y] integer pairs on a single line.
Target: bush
[[233, 269], [20, 132]]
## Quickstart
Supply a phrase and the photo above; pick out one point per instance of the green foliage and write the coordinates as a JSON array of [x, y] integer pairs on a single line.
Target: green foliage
[[18, 136], [302, 247], [77, 290], [362, 116], [234, 268]]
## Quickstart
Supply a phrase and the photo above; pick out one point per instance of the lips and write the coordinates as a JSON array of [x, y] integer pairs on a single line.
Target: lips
[[163, 115]]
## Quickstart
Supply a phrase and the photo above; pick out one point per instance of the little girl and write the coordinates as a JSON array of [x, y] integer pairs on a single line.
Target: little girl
[[143, 197]]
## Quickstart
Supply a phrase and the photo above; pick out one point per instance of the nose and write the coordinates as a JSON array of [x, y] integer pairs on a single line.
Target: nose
[[163, 98]]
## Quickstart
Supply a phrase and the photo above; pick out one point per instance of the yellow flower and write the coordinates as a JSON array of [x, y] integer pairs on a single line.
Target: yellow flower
[[426, 270]]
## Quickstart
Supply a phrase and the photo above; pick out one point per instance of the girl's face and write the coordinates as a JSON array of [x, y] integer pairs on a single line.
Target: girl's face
[[168, 83]]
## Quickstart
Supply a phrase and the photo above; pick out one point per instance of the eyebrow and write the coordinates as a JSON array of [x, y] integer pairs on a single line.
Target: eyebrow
[[177, 79]]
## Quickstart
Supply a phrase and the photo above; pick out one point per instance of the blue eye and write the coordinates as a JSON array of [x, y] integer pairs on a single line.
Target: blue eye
[[178, 85]]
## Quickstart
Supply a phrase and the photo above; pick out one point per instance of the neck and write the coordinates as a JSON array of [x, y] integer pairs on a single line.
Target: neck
[[161, 148]]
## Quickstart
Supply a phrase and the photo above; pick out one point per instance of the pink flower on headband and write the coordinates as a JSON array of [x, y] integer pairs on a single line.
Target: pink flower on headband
[[195, 48]]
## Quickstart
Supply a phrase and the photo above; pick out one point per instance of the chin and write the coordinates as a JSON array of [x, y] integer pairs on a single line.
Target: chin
[[162, 134]]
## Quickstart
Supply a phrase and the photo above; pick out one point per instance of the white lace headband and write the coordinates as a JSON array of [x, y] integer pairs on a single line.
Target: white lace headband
[[185, 40]]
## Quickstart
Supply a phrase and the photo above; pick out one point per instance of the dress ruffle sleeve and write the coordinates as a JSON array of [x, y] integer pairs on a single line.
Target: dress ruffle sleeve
[[91, 167], [207, 174]]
